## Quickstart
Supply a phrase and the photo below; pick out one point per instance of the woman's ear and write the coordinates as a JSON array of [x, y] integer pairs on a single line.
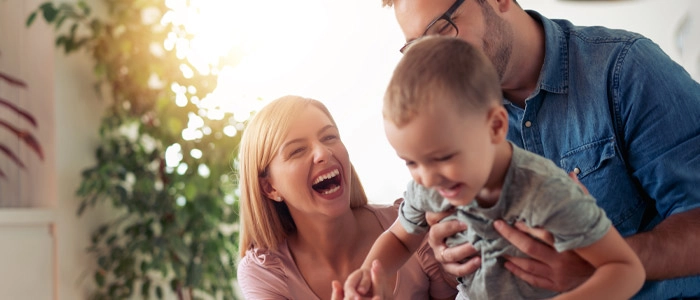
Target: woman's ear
[[269, 190], [498, 124]]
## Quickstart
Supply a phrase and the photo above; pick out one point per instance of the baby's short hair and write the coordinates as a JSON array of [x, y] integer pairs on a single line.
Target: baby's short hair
[[435, 68]]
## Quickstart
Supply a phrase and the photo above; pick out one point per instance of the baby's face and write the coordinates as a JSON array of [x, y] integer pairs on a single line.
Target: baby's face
[[446, 151]]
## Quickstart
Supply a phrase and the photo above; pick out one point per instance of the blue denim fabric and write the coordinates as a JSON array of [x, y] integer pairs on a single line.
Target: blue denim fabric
[[612, 105]]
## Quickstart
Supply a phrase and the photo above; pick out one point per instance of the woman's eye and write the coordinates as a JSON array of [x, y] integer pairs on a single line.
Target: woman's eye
[[296, 151], [329, 137]]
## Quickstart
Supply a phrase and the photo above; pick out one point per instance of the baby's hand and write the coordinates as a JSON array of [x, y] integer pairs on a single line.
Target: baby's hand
[[358, 284], [376, 282]]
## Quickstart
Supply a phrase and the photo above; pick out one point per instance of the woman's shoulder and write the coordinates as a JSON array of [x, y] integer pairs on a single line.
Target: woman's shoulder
[[385, 213], [261, 262], [262, 272]]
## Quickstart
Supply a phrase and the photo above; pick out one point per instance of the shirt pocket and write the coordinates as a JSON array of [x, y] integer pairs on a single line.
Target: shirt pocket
[[603, 172], [586, 159]]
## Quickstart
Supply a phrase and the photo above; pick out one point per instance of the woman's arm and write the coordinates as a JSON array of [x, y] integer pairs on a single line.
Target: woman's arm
[[619, 273]]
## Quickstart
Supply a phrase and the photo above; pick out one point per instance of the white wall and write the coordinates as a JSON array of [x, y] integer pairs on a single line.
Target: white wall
[[78, 111], [673, 24]]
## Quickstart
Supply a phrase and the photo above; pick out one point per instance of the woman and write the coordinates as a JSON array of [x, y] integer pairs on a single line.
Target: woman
[[305, 220]]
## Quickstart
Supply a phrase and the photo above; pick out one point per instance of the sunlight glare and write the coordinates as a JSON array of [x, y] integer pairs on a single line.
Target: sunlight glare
[[265, 37], [173, 155]]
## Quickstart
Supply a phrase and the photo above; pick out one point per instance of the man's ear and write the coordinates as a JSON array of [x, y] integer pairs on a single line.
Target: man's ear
[[503, 5], [498, 124], [269, 190]]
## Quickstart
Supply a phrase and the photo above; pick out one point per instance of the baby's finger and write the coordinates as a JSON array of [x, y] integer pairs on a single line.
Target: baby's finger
[[365, 284], [350, 289], [337, 290]]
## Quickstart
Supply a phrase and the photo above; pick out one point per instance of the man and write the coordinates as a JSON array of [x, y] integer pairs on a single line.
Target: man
[[606, 105]]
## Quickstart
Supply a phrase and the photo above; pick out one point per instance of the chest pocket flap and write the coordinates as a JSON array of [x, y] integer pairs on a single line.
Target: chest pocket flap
[[587, 158]]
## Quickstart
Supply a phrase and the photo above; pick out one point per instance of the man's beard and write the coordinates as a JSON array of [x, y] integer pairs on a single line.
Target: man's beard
[[498, 39]]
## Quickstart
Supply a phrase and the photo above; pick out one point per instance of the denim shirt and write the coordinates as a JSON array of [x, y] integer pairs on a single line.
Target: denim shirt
[[612, 107]]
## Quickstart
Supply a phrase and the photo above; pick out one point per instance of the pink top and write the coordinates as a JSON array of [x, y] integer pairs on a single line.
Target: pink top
[[274, 275]]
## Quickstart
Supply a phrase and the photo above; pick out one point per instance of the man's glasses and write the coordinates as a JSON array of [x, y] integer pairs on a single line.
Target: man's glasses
[[443, 25]]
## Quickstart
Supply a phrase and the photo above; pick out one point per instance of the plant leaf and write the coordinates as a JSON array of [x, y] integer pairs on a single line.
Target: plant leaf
[[145, 289], [31, 19], [26, 137], [49, 11], [12, 80], [22, 113], [12, 155], [99, 278]]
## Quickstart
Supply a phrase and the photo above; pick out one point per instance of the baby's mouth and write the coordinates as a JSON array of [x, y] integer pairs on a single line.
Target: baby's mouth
[[327, 183]]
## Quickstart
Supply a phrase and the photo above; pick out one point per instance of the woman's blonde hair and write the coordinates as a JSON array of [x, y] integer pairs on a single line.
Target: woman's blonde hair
[[266, 223]]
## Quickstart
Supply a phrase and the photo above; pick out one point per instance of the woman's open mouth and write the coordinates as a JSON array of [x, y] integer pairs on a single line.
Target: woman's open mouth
[[327, 183]]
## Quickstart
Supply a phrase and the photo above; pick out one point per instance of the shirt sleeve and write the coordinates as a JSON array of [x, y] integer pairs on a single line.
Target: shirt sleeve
[[261, 276], [659, 105], [573, 217], [417, 201]]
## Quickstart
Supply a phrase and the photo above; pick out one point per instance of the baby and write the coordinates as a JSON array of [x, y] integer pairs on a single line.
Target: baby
[[443, 116]]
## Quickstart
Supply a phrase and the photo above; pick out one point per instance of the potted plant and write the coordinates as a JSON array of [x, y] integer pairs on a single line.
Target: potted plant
[[164, 167]]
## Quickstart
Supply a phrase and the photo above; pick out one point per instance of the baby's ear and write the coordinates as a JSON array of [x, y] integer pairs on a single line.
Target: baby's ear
[[498, 123]]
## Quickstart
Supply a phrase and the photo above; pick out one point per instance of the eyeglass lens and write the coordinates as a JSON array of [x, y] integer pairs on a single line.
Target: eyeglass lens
[[442, 27]]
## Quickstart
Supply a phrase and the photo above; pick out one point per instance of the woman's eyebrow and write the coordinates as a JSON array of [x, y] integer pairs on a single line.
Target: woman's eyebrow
[[294, 141], [329, 126]]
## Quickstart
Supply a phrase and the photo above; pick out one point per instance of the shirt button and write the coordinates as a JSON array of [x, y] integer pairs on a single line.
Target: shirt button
[[528, 124], [577, 171]]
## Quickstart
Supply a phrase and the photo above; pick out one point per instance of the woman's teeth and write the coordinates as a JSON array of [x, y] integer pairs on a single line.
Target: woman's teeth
[[328, 175], [333, 190]]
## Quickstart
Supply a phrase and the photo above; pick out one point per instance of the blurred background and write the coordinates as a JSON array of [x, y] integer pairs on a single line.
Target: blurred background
[[341, 53]]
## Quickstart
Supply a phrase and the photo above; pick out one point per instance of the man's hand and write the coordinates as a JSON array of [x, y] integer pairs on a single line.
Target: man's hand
[[459, 260], [545, 268]]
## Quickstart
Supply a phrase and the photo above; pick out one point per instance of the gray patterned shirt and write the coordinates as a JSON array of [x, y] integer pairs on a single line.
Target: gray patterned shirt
[[534, 191]]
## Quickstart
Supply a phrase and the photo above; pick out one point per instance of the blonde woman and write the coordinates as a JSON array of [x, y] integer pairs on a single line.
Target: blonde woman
[[305, 220]]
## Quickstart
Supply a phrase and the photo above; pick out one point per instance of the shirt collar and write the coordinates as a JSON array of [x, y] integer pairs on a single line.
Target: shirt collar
[[554, 76]]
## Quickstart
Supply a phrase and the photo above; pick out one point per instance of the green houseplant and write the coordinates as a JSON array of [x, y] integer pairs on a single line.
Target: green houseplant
[[163, 167]]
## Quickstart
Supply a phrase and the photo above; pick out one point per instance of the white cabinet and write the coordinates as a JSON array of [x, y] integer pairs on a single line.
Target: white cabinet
[[28, 262]]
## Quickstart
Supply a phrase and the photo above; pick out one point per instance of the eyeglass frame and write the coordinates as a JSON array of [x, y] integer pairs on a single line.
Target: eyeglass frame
[[447, 16]]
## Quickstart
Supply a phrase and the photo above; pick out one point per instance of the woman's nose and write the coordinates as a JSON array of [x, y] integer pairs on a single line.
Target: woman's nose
[[322, 154]]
